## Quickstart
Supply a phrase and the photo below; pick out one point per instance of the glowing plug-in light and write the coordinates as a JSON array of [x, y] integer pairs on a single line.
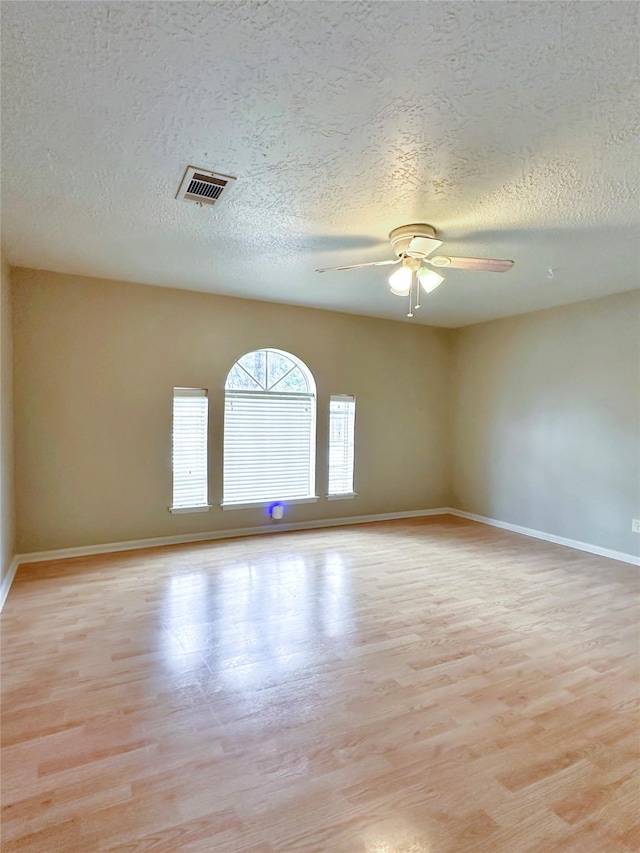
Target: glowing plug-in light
[[400, 281], [429, 279], [276, 511]]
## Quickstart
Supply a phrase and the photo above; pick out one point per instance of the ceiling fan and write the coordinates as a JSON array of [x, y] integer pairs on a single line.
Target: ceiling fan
[[413, 244]]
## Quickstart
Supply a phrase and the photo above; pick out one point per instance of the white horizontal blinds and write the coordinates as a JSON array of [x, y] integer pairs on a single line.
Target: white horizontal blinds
[[342, 416], [189, 447], [269, 446]]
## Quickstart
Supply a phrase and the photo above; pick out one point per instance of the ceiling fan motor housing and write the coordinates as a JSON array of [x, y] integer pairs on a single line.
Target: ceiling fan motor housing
[[400, 239]]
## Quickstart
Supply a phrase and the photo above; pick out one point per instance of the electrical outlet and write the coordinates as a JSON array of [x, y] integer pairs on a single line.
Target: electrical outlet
[[635, 525]]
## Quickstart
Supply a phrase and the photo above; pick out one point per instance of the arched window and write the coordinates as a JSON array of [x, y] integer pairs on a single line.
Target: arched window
[[269, 429]]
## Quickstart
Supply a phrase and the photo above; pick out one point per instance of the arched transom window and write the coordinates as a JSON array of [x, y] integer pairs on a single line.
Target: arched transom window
[[269, 429]]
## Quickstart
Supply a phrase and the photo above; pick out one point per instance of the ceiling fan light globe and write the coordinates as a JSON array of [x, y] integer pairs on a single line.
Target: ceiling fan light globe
[[429, 279], [400, 281]]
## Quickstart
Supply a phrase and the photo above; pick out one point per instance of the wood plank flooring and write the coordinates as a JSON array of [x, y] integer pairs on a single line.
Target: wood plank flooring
[[423, 686]]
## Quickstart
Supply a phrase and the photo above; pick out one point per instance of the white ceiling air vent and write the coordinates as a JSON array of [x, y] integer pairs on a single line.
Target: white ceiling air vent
[[203, 186]]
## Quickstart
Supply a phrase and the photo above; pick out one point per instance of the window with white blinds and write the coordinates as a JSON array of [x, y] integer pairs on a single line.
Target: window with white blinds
[[342, 418], [269, 430], [189, 449]]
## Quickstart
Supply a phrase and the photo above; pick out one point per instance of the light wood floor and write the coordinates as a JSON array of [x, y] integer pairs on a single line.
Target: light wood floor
[[429, 686]]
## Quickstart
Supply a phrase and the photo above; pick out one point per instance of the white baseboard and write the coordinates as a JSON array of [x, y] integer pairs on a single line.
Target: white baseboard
[[276, 527], [550, 537], [8, 580], [136, 544]]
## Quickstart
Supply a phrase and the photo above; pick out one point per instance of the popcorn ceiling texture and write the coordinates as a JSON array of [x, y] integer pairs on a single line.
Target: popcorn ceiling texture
[[509, 126]]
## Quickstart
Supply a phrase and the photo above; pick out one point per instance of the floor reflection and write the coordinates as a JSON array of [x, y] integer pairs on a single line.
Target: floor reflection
[[336, 606], [186, 612], [252, 622]]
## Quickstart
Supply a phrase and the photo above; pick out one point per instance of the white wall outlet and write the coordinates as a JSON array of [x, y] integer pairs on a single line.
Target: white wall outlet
[[635, 525]]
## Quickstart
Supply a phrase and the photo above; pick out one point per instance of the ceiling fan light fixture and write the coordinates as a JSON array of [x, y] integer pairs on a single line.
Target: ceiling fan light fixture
[[400, 281], [429, 279], [412, 245]]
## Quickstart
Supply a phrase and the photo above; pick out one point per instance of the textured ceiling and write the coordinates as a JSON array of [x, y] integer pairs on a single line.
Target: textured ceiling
[[508, 126]]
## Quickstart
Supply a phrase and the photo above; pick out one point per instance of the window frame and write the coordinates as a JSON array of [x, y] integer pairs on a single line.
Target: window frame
[[312, 395], [194, 393], [341, 496]]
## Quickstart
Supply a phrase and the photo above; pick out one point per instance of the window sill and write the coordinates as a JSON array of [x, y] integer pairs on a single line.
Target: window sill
[[253, 504], [174, 510], [346, 497]]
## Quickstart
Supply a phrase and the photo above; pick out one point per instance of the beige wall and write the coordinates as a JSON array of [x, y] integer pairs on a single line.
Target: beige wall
[[7, 524], [532, 420], [95, 365], [546, 420]]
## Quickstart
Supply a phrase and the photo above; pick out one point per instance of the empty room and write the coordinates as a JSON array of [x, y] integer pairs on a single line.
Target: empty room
[[320, 427]]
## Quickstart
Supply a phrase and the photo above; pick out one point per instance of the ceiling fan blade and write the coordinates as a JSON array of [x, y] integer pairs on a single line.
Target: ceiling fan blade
[[423, 246], [359, 266], [487, 264]]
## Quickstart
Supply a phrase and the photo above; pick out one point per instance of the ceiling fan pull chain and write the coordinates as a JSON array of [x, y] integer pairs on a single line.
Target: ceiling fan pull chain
[[417, 305], [410, 314]]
